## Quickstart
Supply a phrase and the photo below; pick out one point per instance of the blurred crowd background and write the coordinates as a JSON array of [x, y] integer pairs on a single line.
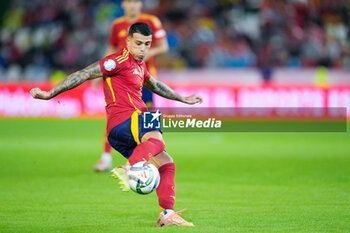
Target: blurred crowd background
[[41, 39]]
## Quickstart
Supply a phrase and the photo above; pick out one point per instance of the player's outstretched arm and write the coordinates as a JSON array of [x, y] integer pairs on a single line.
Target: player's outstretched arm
[[71, 81], [163, 90]]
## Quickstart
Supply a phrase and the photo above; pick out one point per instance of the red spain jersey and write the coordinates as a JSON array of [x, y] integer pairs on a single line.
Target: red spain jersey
[[123, 79], [120, 30]]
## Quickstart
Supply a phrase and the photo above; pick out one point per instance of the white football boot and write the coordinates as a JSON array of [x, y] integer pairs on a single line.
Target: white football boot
[[104, 164]]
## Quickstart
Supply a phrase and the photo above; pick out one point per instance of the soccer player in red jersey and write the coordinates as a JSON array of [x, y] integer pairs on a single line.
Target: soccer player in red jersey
[[118, 36], [124, 74]]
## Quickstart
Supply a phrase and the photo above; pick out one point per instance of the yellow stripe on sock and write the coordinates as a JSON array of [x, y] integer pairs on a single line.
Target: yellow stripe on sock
[[135, 127]]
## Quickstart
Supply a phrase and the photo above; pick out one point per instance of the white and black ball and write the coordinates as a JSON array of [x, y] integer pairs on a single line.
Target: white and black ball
[[143, 177]]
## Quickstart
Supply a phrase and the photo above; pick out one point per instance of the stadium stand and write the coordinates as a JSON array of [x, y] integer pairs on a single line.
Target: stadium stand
[[40, 38]]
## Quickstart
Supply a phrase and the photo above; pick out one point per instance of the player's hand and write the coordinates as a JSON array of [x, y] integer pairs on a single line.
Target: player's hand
[[193, 99], [39, 94]]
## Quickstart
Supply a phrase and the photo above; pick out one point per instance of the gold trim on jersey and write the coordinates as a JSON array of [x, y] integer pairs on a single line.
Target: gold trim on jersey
[[120, 59], [137, 110], [135, 127], [108, 80]]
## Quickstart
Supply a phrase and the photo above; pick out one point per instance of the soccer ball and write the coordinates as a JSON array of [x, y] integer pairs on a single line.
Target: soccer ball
[[143, 177]]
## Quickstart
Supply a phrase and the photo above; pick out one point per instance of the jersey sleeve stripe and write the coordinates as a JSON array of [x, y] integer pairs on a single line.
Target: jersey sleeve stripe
[[108, 80], [121, 61], [120, 58], [135, 127], [125, 54], [123, 57]]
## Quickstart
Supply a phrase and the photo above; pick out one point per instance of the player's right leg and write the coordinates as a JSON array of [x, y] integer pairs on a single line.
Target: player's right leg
[[166, 190]]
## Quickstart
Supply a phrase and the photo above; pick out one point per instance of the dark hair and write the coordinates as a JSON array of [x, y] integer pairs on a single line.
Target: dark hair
[[142, 28]]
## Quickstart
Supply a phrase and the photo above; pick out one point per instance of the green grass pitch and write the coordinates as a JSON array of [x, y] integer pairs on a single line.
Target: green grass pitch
[[228, 182]]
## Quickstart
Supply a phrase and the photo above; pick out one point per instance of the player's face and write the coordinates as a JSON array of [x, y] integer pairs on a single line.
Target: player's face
[[132, 7], [139, 45]]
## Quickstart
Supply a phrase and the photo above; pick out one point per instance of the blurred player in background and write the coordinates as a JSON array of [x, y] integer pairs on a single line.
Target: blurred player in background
[[124, 74], [118, 36]]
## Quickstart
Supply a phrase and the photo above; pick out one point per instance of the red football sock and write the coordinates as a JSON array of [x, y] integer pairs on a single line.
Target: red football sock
[[107, 148], [145, 150], [166, 188]]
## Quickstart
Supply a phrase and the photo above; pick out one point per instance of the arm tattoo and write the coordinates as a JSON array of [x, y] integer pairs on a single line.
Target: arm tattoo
[[162, 89], [73, 80]]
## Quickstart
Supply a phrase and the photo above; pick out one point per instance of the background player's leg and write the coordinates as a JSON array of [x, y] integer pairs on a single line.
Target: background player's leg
[[105, 162], [107, 149], [147, 97]]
